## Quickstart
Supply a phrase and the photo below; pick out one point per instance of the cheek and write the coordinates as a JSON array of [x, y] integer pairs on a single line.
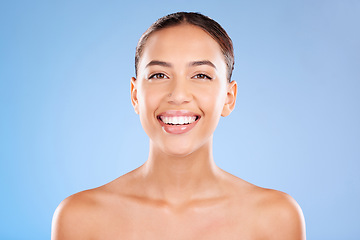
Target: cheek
[[214, 100], [147, 108], [149, 99]]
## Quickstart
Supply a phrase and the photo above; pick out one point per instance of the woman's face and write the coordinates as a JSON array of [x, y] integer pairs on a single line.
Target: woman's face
[[181, 89]]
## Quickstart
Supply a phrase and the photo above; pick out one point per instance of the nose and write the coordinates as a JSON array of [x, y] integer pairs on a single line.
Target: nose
[[179, 92]]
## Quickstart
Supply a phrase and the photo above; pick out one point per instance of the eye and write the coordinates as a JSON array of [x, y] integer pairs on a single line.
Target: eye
[[202, 76], [158, 76]]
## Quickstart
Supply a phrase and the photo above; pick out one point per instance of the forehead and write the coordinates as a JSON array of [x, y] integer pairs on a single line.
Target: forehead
[[182, 43]]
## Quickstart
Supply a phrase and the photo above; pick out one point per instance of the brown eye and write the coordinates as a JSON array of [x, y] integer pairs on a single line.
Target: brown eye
[[202, 76], [158, 76]]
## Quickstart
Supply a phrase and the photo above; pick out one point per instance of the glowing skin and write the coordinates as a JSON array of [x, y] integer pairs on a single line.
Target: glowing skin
[[179, 193], [174, 75]]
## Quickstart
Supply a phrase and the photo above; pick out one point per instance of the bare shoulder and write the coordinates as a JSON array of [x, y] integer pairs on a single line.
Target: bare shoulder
[[279, 215], [84, 214], [268, 214], [74, 216]]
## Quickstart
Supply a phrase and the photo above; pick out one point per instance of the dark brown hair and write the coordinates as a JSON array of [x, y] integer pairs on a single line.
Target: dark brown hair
[[207, 24]]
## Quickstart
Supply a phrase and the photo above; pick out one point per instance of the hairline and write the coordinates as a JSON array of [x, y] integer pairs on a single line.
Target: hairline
[[228, 58]]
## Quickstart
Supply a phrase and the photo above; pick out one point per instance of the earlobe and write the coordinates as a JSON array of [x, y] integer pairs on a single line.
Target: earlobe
[[230, 99], [133, 93]]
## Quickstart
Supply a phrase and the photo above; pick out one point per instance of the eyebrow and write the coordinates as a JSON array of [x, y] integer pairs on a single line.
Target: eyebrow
[[191, 64], [160, 63], [203, 62]]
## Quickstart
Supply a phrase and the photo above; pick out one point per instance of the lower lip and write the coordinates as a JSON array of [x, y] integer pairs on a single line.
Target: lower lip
[[177, 129]]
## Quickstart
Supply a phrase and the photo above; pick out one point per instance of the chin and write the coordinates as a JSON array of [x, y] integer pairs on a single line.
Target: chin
[[179, 152], [181, 149]]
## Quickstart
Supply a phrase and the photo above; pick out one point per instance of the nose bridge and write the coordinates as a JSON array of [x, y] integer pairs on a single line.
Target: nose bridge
[[180, 91]]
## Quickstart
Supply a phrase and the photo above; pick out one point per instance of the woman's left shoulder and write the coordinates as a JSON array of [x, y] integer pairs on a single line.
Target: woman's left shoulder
[[280, 216]]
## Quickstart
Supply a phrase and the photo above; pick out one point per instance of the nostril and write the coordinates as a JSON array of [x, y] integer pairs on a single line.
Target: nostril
[[179, 97]]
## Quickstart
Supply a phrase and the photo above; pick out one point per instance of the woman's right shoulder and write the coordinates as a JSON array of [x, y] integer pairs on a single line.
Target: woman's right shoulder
[[81, 214], [76, 215], [76, 203]]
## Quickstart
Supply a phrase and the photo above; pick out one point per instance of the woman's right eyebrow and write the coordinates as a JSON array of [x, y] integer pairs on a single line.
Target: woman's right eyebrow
[[160, 63]]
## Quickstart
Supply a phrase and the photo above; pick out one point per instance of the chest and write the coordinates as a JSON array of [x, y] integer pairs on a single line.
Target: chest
[[144, 222]]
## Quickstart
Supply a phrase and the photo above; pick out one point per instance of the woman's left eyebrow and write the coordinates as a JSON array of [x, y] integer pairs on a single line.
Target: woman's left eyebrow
[[203, 62]]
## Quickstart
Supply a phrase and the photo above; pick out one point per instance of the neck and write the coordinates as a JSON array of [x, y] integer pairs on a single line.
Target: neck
[[177, 179]]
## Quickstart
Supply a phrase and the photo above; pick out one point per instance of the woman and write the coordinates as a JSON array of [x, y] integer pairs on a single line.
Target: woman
[[183, 85]]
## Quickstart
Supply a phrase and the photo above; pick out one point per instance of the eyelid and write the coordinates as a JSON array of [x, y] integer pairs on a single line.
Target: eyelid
[[204, 76], [153, 76]]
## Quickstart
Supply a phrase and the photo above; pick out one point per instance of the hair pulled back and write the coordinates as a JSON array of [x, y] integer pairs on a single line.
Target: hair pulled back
[[207, 24]]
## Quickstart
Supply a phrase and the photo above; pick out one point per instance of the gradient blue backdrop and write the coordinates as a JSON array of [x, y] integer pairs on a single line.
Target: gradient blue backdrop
[[67, 124]]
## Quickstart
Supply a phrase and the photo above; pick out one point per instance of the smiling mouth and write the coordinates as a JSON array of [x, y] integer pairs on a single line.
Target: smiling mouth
[[178, 120]]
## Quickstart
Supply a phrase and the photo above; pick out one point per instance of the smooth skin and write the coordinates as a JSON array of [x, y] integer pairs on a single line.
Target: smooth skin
[[179, 192]]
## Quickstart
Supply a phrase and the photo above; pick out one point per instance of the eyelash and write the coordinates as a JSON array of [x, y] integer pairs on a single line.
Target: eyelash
[[202, 76], [162, 76], [158, 76]]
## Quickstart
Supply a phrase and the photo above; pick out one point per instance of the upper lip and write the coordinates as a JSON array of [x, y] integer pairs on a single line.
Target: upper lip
[[178, 113]]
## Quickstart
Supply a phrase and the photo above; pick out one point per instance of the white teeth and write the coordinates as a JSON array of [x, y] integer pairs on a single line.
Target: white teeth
[[178, 120]]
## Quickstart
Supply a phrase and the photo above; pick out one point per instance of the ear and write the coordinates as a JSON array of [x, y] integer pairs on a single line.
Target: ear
[[133, 93], [230, 99]]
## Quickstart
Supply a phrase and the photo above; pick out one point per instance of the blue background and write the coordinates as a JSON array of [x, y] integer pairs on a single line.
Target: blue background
[[67, 124]]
